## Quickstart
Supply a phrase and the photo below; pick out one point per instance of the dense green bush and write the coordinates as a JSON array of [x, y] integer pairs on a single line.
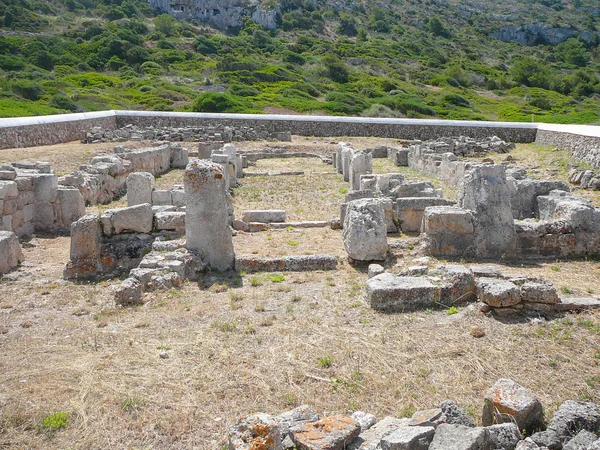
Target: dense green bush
[[27, 89], [215, 102]]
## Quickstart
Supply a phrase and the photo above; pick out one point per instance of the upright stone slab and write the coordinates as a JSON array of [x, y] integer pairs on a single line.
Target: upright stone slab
[[139, 188], [85, 247], [365, 231], [207, 216], [346, 155], [486, 192], [10, 252], [361, 163]]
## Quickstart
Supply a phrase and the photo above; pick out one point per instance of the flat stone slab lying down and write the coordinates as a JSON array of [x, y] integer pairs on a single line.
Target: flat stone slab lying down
[[388, 292], [264, 216], [286, 264]]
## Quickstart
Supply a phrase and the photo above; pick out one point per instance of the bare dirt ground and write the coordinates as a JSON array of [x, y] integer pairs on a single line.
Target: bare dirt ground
[[244, 343]]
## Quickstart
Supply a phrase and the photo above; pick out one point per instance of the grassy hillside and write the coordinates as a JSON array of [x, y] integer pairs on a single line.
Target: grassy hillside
[[391, 58]]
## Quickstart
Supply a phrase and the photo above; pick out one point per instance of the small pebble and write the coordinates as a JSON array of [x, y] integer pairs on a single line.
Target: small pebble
[[477, 332], [163, 355]]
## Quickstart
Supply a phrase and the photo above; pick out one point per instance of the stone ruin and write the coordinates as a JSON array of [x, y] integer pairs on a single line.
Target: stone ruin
[[500, 214], [145, 239], [513, 418]]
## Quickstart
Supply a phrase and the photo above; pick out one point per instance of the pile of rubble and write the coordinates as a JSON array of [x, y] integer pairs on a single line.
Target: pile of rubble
[[215, 133], [585, 178], [509, 412], [464, 146]]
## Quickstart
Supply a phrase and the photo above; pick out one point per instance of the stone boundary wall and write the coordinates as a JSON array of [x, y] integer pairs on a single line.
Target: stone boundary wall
[[48, 130], [582, 141]]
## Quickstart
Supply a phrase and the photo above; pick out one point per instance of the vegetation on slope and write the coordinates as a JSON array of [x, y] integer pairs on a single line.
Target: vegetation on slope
[[400, 58]]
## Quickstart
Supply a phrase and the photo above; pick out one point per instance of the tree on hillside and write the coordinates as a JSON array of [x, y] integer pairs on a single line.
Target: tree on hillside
[[573, 52], [165, 24]]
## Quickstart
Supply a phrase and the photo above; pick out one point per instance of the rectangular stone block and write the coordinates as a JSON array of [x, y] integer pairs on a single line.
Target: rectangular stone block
[[388, 292], [178, 196], [170, 221], [264, 216], [447, 220], [25, 198], [9, 206], [45, 186], [161, 198], [10, 252], [410, 210], [8, 189]]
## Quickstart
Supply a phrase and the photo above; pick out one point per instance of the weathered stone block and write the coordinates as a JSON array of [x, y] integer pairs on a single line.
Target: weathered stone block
[[264, 216], [507, 401], [410, 210], [532, 292], [207, 209], [139, 188], [459, 437], [389, 292], [70, 207], [370, 439], [409, 438], [498, 293], [10, 252], [329, 433], [45, 187], [8, 189], [504, 436], [170, 221], [161, 197], [129, 292], [133, 218], [365, 231]]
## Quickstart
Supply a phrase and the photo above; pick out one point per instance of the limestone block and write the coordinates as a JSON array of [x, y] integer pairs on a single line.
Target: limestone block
[[10, 252], [365, 231], [498, 293], [160, 197], [70, 207], [370, 439], [85, 238], [410, 210], [9, 206], [390, 292], [459, 437], [8, 189], [356, 195], [264, 216], [454, 414], [255, 432], [25, 230], [178, 196], [297, 417], [399, 156], [129, 292], [414, 189], [572, 415], [207, 214], [45, 187], [170, 221], [178, 157], [449, 230], [532, 292], [346, 153], [17, 219], [329, 433], [408, 438], [6, 223], [132, 218], [139, 188], [365, 420], [25, 198], [427, 418], [507, 401], [582, 441], [486, 192], [28, 212], [374, 270], [45, 215], [361, 163], [504, 436]]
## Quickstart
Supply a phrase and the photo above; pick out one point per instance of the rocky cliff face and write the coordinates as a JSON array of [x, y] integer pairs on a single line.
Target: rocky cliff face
[[532, 34], [223, 14]]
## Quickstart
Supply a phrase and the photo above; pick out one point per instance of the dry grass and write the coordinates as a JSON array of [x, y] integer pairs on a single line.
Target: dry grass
[[250, 342]]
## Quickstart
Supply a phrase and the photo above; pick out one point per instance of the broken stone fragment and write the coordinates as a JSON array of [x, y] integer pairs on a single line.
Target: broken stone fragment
[[129, 292], [259, 431], [507, 401], [409, 438], [460, 437], [329, 433], [498, 293]]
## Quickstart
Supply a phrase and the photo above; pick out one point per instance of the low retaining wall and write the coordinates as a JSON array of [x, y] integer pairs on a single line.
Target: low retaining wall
[[48, 130], [582, 141]]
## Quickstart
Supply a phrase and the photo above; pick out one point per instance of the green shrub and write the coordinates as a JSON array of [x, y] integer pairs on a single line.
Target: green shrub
[[454, 99], [243, 91], [214, 102], [27, 89], [308, 88], [56, 421], [60, 101]]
